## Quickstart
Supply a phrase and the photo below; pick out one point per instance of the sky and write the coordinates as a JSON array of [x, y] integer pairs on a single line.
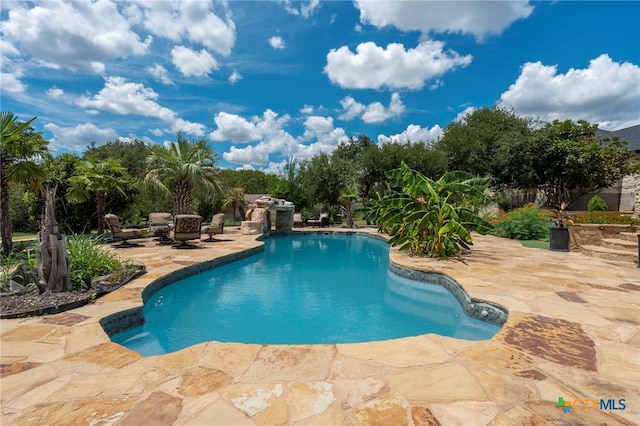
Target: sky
[[266, 81]]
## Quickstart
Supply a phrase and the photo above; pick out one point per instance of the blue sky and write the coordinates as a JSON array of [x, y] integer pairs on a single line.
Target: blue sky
[[269, 80]]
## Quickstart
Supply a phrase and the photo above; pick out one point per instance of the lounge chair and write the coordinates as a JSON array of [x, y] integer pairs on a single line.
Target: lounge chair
[[298, 220], [187, 227], [119, 234], [160, 225], [215, 227], [322, 221]]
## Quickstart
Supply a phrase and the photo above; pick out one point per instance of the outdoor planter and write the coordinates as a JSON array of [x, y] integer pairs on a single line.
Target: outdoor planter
[[559, 239]]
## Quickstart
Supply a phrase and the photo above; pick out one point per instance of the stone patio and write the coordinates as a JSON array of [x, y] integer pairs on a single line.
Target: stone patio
[[572, 332]]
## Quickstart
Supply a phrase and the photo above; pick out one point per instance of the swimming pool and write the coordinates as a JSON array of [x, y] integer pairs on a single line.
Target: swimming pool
[[303, 289]]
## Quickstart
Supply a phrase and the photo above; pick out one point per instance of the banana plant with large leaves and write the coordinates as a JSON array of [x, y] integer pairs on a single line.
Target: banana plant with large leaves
[[429, 217]]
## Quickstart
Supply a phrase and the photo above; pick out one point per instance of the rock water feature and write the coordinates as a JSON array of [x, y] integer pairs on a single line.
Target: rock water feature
[[264, 212]]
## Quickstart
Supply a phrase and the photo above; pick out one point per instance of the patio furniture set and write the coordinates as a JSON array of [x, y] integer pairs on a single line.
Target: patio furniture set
[[322, 221], [180, 228]]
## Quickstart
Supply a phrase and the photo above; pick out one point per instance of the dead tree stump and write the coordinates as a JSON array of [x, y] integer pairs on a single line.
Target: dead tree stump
[[53, 268]]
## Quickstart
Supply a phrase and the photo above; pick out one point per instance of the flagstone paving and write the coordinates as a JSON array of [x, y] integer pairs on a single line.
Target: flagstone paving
[[572, 332]]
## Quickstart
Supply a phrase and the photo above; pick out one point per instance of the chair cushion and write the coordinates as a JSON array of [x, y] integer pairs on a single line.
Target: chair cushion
[[159, 219]]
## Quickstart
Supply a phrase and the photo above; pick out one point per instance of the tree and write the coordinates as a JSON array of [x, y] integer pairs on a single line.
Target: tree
[[20, 149], [99, 177], [321, 178], [350, 194], [470, 143], [181, 168], [290, 186], [565, 160], [430, 217], [71, 217], [235, 199], [132, 155], [252, 181]]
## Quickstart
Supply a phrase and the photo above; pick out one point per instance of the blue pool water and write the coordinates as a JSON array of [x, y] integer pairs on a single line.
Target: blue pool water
[[302, 289]]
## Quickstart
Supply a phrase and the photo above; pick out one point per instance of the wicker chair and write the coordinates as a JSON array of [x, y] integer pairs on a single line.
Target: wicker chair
[[187, 227], [215, 227], [119, 234]]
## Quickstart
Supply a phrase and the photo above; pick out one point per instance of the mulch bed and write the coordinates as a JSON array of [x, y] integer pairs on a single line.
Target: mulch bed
[[32, 303]]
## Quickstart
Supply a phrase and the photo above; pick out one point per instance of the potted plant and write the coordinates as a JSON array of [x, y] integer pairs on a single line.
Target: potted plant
[[558, 230]]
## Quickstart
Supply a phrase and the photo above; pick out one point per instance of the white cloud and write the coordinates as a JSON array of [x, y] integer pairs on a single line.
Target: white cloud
[[276, 42], [268, 130], [306, 109], [192, 20], [160, 73], [327, 138], [372, 113], [306, 9], [75, 35], [233, 128], [192, 63], [273, 140], [318, 125], [8, 49], [479, 18], [11, 82], [253, 154], [351, 108], [375, 67], [414, 133], [606, 92], [235, 77], [79, 137], [123, 97], [55, 92]]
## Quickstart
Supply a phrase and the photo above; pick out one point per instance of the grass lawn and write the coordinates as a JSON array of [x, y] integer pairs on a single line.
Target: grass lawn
[[540, 244], [20, 236]]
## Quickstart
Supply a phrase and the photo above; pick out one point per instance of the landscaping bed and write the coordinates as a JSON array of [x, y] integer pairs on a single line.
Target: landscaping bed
[[32, 303]]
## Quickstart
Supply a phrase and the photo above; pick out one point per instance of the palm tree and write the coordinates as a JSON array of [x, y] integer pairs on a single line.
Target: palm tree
[[181, 168], [235, 199], [349, 194], [97, 177], [20, 150]]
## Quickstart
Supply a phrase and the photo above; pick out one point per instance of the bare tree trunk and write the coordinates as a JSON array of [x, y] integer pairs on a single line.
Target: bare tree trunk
[[102, 202], [636, 191], [5, 220], [53, 268]]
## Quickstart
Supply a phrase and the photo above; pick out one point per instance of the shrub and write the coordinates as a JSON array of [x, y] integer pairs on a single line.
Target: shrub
[[20, 266], [524, 223], [600, 217], [597, 204], [427, 217], [88, 258]]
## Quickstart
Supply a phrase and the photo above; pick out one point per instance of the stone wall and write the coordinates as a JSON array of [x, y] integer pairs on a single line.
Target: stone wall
[[591, 234]]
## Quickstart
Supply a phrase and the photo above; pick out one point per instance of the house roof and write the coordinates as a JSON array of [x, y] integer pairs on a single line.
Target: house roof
[[630, 134]]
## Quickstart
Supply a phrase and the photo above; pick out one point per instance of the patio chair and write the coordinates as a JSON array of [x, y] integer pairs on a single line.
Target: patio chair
[[298, 220], [160, 225], [119, 234], [215, 227], [322, 221], [187, 227]]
